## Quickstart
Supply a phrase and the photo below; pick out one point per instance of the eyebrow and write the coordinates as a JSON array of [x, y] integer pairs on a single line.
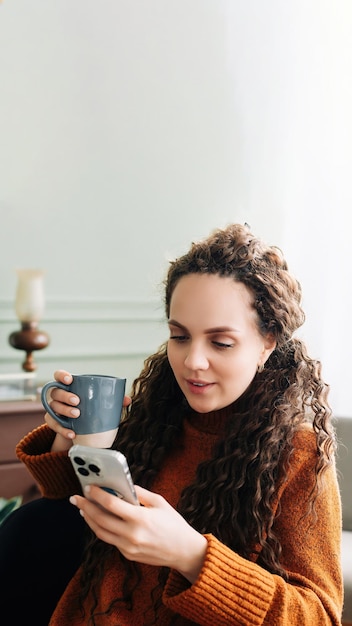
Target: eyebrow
[[216, 329]]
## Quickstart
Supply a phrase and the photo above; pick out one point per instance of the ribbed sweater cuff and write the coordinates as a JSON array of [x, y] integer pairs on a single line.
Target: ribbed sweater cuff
[[228, 589], [51, 470]]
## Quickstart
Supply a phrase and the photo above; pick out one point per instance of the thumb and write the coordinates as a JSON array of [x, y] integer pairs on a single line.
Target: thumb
[[149, 498], [127, 401]]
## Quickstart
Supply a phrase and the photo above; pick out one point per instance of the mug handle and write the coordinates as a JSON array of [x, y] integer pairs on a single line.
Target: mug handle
[[64, 421]]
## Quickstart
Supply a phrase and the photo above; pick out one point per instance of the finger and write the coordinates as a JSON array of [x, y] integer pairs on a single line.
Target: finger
[[67, 433], [94, 514], [115, 505], [100, 518], [127, 401], [108, 525], [64, 409], [104, 526], [63, 377], [64, 397]]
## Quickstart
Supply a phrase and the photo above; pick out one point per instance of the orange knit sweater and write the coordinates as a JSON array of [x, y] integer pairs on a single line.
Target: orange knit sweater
[[229, 589]]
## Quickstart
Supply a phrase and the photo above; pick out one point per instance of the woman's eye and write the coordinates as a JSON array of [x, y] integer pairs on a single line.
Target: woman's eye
[[222, 345], [179, 338]]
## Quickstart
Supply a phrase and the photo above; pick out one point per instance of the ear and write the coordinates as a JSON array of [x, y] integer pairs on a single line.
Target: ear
[[269, 345]]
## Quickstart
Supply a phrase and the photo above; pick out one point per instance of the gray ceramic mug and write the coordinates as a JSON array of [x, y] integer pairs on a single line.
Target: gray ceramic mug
[[101, 399]]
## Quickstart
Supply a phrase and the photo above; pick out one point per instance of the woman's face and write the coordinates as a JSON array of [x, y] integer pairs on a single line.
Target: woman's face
[[214, 347]]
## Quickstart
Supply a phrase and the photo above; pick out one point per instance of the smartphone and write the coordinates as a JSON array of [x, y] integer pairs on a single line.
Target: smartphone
[[106, 468]]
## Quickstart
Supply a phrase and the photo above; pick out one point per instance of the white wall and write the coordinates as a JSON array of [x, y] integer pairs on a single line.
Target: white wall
[[127, 129]]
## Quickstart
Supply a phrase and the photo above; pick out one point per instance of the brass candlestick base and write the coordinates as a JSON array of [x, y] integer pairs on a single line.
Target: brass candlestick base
[[29, 338]]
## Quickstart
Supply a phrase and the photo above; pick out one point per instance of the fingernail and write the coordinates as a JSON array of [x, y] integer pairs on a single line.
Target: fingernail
[[74, 400], [73, 500], [67, 379], [74, 412], [87, 489], [71, 435]]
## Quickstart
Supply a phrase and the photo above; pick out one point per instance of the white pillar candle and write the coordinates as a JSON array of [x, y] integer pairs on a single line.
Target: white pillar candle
[[29, 295]]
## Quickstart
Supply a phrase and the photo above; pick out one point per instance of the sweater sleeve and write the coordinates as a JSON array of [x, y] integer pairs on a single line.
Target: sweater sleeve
[[51, 470], [233, 590]]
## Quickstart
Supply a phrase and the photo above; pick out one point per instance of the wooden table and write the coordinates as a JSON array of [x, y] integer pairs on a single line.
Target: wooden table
[[17, 418]]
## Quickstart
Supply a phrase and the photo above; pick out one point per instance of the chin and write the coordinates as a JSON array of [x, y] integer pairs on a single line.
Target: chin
[[201, 407]]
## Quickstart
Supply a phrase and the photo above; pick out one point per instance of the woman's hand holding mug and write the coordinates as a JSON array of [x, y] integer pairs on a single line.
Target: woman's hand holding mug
[[84, 408]]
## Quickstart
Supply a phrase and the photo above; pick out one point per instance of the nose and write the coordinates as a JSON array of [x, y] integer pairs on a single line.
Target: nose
[[196, 358]]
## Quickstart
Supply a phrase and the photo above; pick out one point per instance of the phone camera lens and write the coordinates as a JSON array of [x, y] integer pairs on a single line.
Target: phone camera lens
[[79, 461], [83, 471], [94, 468]]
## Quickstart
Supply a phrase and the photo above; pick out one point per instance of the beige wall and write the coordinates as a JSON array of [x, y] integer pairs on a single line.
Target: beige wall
[[127, 129]]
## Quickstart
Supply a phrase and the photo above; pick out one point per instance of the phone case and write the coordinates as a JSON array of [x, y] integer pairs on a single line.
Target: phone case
[[106, 468]]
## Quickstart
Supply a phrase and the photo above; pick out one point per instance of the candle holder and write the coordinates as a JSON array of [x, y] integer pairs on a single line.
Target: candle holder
[[29, 310]]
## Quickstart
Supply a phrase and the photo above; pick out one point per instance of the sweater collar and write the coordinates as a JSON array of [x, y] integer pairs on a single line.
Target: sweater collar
[[214, 422]]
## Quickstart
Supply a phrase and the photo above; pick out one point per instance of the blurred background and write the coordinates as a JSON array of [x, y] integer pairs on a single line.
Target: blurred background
[[129, 129]]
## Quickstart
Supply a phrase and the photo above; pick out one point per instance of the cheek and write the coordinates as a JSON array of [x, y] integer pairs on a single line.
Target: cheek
[[171, 355], [244, 366]]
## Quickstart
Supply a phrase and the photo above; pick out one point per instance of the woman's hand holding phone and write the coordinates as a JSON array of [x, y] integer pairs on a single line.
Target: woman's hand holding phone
[[155, 533]]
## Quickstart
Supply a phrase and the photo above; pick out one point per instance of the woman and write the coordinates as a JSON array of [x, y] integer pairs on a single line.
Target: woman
[[229, 440]]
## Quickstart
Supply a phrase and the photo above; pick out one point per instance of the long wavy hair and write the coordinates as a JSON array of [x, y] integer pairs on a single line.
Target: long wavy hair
[[234, 491]]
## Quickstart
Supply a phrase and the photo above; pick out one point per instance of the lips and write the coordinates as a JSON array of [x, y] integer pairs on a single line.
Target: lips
[[198, 386]]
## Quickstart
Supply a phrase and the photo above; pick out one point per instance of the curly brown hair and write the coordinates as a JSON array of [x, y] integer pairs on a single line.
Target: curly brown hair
[[233, 493]]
